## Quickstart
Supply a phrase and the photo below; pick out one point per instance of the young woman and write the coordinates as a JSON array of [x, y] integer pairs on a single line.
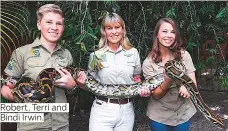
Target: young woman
[[169, 108], [31, 59], [119, 64]]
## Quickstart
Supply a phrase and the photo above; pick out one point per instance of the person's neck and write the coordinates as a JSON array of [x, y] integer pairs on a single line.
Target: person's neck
[[166, 54], [48, 45], [114, 47]]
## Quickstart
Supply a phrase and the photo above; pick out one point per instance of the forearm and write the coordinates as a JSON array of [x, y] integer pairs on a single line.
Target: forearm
[[160, 91]]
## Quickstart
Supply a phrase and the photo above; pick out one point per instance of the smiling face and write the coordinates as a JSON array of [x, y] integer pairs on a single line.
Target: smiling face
[[114, 32], [166, 34], [51, 27]]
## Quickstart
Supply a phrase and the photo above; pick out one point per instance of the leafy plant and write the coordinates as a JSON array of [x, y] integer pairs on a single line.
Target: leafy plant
[[199, 21]]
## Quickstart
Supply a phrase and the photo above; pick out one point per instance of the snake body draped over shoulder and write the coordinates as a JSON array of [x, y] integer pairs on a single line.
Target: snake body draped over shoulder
[[42, 90], [174, 69]]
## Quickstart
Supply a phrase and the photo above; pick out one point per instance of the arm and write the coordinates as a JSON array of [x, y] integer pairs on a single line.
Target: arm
[[150, 69], [183, 90], [160, 91], [7, 93], [67, 80], [13, 68]]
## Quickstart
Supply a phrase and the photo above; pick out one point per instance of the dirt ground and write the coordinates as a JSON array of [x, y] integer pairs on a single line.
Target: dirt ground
[[218, 101]]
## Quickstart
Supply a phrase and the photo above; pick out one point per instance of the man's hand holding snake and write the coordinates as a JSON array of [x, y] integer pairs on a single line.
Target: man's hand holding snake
[[66, 79]]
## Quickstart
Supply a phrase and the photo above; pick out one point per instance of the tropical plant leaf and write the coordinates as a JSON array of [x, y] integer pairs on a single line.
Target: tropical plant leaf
[[223, 15]]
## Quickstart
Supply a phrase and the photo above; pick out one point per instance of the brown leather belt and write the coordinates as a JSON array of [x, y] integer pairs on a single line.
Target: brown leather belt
[[116, 101]]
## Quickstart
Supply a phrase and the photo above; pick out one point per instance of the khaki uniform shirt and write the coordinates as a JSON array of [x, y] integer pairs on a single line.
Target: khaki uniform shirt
[[30, 60], [118, 67], [172, 109]]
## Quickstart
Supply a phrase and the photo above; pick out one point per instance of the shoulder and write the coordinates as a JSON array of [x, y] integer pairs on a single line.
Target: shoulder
[[147, 61], [132, 51], [66, 51], [23, 49], [185, 54], [97, 53]]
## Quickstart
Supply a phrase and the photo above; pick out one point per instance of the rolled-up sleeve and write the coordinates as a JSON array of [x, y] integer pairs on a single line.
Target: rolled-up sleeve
[[187, 60], [148, 70]]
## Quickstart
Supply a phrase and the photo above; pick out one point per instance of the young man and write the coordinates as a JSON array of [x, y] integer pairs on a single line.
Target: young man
[[31, 59]]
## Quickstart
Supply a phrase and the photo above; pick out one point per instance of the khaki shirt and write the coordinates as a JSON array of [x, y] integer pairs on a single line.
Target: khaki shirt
[[30, 60], [172, 109], [118, 67]]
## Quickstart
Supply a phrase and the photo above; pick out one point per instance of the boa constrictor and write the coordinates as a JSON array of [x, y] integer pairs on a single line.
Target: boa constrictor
[[42, 90]]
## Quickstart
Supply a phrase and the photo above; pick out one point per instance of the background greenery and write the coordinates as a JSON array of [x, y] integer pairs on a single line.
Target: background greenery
[[203, 26]]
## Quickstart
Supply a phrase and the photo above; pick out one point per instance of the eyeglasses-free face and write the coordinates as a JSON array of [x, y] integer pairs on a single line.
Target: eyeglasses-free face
[[166, 34], [51, 27]]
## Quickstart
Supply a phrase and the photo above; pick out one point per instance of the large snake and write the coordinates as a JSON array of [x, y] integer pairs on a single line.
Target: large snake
[[174, 70], [41, 90]]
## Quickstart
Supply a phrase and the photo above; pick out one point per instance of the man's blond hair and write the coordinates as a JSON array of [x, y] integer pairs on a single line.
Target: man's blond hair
[[48, 8]]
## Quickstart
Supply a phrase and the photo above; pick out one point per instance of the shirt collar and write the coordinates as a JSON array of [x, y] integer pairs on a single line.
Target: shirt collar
[[107, 48], [37, 42]]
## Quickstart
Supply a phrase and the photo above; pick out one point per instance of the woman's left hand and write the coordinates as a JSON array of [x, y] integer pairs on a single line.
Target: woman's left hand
[[184, 92], [80, 81], [144, 92], [66, 79], [136, 78]]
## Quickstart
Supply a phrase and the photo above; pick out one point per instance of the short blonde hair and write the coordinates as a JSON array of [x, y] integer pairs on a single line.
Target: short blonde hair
[[111, 18], [48, 8]]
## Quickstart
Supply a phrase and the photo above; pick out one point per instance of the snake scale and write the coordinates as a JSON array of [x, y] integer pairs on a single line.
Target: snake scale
[[42, 90]]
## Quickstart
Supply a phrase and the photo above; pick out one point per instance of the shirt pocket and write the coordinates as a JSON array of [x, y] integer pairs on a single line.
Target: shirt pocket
[[129, 66], [129, 60], [36, 61]]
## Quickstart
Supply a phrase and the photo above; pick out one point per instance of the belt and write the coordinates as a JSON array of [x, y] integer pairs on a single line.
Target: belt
[[116, 101]]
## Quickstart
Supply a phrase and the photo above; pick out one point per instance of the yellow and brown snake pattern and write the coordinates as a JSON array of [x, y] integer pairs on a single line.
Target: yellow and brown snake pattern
[[41, 90]]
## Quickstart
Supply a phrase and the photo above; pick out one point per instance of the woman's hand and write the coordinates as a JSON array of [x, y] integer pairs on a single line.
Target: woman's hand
[[184, 92], [136, 78], [144, 92], [81, 79], [66, 79]]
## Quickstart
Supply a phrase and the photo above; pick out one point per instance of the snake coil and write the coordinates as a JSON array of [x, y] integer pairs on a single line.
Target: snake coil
[[42, 90]]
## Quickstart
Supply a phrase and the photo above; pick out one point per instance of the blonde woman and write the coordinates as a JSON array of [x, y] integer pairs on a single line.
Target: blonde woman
[[119, 64]]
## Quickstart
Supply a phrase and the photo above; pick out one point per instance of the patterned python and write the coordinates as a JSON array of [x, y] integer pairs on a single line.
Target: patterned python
[[27, 90], [173, 70], [40, 91]]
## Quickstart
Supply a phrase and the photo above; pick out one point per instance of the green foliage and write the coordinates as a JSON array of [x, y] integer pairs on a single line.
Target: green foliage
[[223, 82], [199, 21], [223, 15]]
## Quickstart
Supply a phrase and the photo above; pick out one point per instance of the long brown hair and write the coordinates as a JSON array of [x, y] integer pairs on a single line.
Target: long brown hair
[[175, 48], [110, 18]]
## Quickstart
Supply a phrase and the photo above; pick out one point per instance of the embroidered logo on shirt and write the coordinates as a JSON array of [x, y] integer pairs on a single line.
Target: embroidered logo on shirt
[[128, 55], [11, 64], [35, 52]]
